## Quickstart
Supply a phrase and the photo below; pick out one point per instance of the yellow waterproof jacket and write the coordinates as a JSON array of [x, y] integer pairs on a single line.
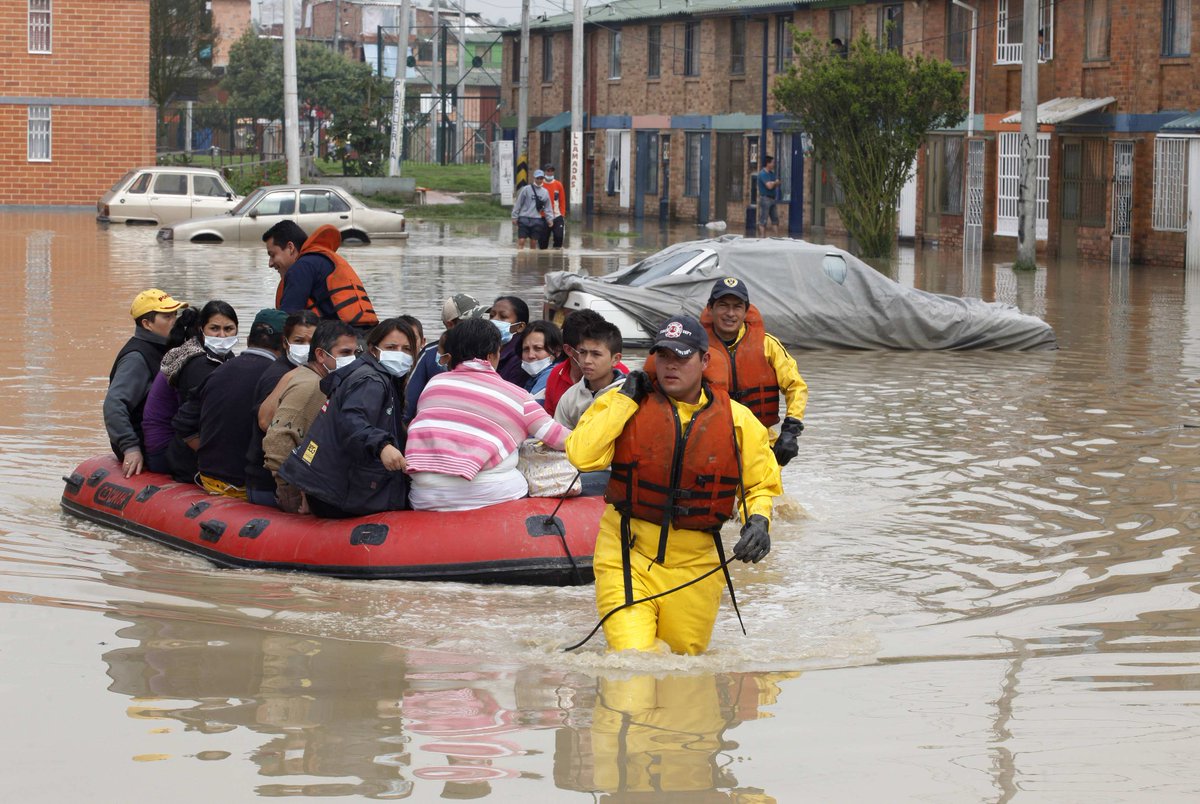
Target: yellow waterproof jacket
[[787, 373]]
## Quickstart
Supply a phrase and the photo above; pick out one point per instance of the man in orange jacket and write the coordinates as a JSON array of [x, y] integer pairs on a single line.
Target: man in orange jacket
[[558, 194], [313, 276]]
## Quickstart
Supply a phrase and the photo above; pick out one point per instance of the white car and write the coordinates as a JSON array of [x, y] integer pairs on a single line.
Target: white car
[[166, 195], [309, 205]]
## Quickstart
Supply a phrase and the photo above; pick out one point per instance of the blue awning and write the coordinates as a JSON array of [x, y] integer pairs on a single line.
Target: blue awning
[[560, 122]]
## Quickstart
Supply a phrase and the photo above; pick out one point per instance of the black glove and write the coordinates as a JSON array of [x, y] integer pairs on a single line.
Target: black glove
[[786, 447], [755, 542], [636, 386]]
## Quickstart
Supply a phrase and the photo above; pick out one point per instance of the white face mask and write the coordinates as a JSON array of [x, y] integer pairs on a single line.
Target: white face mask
[[298, 353], [536, 367], [505, 330], [396, 363], [219, 345], [342, 362]]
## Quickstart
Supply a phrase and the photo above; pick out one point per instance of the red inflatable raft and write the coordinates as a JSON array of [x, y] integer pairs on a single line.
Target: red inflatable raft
[[516, 542]]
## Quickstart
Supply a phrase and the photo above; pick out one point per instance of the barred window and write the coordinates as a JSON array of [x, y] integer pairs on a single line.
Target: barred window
[[39, 134], [691, 168], [39, 26], [1008, 184], [1009, 30], [1170, 184]]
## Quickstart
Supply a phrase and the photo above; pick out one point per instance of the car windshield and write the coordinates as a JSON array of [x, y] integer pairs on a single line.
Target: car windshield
[[246, 202], [660, 265]]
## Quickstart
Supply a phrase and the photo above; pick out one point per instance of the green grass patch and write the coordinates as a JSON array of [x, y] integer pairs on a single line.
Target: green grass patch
[[445, 178], [468, 210], [614, 234]]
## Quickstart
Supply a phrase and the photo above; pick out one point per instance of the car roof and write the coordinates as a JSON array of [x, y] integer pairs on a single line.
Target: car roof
[[175, 169], [302, 187]]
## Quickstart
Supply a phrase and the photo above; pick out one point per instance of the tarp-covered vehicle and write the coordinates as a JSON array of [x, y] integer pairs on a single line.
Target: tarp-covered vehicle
[[811, 297]]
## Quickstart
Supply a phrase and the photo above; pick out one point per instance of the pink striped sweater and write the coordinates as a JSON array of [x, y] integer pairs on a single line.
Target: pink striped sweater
[[470, 419]]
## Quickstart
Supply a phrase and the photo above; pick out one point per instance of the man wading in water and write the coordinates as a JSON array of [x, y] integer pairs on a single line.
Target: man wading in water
[[683, 457]]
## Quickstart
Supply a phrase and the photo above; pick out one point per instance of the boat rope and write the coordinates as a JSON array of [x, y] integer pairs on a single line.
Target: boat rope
[[554, 522]]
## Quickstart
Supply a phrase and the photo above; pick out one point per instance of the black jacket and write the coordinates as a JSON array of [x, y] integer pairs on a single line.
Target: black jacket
[[258, 476], [128, 385], [339, 460], [188, 382], [227, 414]]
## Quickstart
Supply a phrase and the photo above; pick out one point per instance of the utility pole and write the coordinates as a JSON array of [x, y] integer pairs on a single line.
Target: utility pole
[[445, 139], [576, 171], [523, 98], [291, 104], [459, 123], [1027, 202], [435, 111], [337, 27], [398, 90]]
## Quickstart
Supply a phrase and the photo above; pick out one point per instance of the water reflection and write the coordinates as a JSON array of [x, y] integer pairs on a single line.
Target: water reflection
[[378, 721]]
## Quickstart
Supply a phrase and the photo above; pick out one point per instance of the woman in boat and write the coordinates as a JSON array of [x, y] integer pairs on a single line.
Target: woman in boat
[[352, 461], [462, 444], [541, 349], [510, 316]]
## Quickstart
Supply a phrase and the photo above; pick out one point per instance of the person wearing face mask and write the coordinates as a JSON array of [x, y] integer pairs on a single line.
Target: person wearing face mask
[[352, 461], [456, 308], [199, 359], [298, 402], [226, 424], [541, 349], [462, 446], [510, 316]]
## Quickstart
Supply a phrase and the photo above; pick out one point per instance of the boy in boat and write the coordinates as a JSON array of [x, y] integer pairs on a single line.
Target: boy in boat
[[598, 355], [675, 481], [133, 370]]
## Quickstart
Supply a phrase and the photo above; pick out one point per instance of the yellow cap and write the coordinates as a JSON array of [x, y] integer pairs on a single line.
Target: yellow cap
[[154, 301]]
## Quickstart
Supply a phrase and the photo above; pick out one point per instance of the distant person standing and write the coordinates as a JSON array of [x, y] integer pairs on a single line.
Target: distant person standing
[[532, 212], [768, 197], [558, 194]]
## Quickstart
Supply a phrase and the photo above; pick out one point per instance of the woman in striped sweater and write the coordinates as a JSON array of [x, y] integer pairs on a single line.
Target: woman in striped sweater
[[462, 444]]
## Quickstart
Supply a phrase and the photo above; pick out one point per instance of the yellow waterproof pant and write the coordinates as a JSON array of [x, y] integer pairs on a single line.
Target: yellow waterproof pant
[[684, 619]]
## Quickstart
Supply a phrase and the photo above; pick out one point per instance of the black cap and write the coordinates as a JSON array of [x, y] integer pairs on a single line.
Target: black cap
[[729, 286], [683, 335]]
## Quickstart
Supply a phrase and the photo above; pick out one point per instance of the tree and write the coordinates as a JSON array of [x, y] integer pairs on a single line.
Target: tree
[[180, 34], [867, 112]]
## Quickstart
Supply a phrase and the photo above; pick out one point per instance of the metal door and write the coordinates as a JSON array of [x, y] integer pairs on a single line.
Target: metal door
[[935, 165], [1122, 200], [908, 207], [626, 148], [731, 172], [1072, 197], [1192, 261], [645, 159]]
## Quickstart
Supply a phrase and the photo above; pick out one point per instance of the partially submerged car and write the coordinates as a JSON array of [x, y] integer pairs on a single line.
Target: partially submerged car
[[309, 205], [162, 195], [811, 296]]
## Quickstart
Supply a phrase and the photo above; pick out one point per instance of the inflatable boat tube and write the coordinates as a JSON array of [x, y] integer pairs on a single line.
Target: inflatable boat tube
[[517, 542]]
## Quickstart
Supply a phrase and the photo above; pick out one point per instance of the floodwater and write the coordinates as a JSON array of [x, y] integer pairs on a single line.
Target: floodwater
[[984, 582]]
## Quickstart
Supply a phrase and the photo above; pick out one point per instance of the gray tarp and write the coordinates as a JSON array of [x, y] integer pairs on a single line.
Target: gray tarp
[[813, 296]]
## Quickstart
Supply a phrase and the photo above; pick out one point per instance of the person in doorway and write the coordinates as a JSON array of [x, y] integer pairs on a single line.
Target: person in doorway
[[456, 308], [313, 276], [132, 373], [768, 198], [510, 316], [532, 212], [752, 365], [541, 348], [683, 456], [558, 194]]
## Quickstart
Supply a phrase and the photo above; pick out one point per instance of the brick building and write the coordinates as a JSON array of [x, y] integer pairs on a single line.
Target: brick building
[[674, 108], [75, 112]]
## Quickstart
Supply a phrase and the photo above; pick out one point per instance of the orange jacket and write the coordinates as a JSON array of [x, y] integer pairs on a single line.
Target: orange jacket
[[743, 369], [687, 479], [346, 291], [558, 193]]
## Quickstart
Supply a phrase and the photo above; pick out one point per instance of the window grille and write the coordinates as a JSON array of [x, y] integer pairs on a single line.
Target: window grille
[[691, 172], [1009, 29], [1170, 184], [39, 26], [39, 134], [1008, 184]]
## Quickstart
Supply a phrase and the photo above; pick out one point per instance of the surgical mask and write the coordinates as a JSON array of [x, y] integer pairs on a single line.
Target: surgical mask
[[342, 362], [396, 363], [505, 330], [536, 367], [443, 359], [298, 353], [219, 345]]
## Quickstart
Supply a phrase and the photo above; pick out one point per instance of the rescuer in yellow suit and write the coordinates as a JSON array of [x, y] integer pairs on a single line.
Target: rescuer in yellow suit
[[684, 457]]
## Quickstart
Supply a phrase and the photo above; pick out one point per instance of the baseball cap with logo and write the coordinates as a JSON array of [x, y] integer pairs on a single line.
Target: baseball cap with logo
[[460, 307], [154, 301], [729, 286], [683, 335]]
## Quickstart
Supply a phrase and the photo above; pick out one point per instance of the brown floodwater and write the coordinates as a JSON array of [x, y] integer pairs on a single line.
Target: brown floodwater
[[984, 580]]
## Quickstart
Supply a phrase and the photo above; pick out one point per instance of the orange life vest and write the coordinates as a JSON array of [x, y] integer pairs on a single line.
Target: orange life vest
[[743, 370], [346, 291], [687, 479]]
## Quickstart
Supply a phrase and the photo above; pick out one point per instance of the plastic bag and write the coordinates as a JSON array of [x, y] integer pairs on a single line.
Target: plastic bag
[[547, 471]]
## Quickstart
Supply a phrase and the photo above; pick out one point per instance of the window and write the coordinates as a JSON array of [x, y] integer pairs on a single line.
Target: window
[[691, 167], [547, 59], [208, 186], [652, 163], [516, 61], [783, 164], [1177, 27], [139, 184], [1084, 185], [839, 29], [783, 43], [38, 134], [282, 203], [1009, 30], [612, 161], [1170, 184], [614, 54], [654, 51], [1096, 24], [737, 45], [314, 202], [691, 48], [958, 34], [1008, 183], [952, 176], [891, 26], [39, 26], [171, 184]]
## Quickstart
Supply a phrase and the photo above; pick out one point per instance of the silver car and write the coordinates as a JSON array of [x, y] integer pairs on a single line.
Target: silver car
[[166, 195], [309, 205]]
